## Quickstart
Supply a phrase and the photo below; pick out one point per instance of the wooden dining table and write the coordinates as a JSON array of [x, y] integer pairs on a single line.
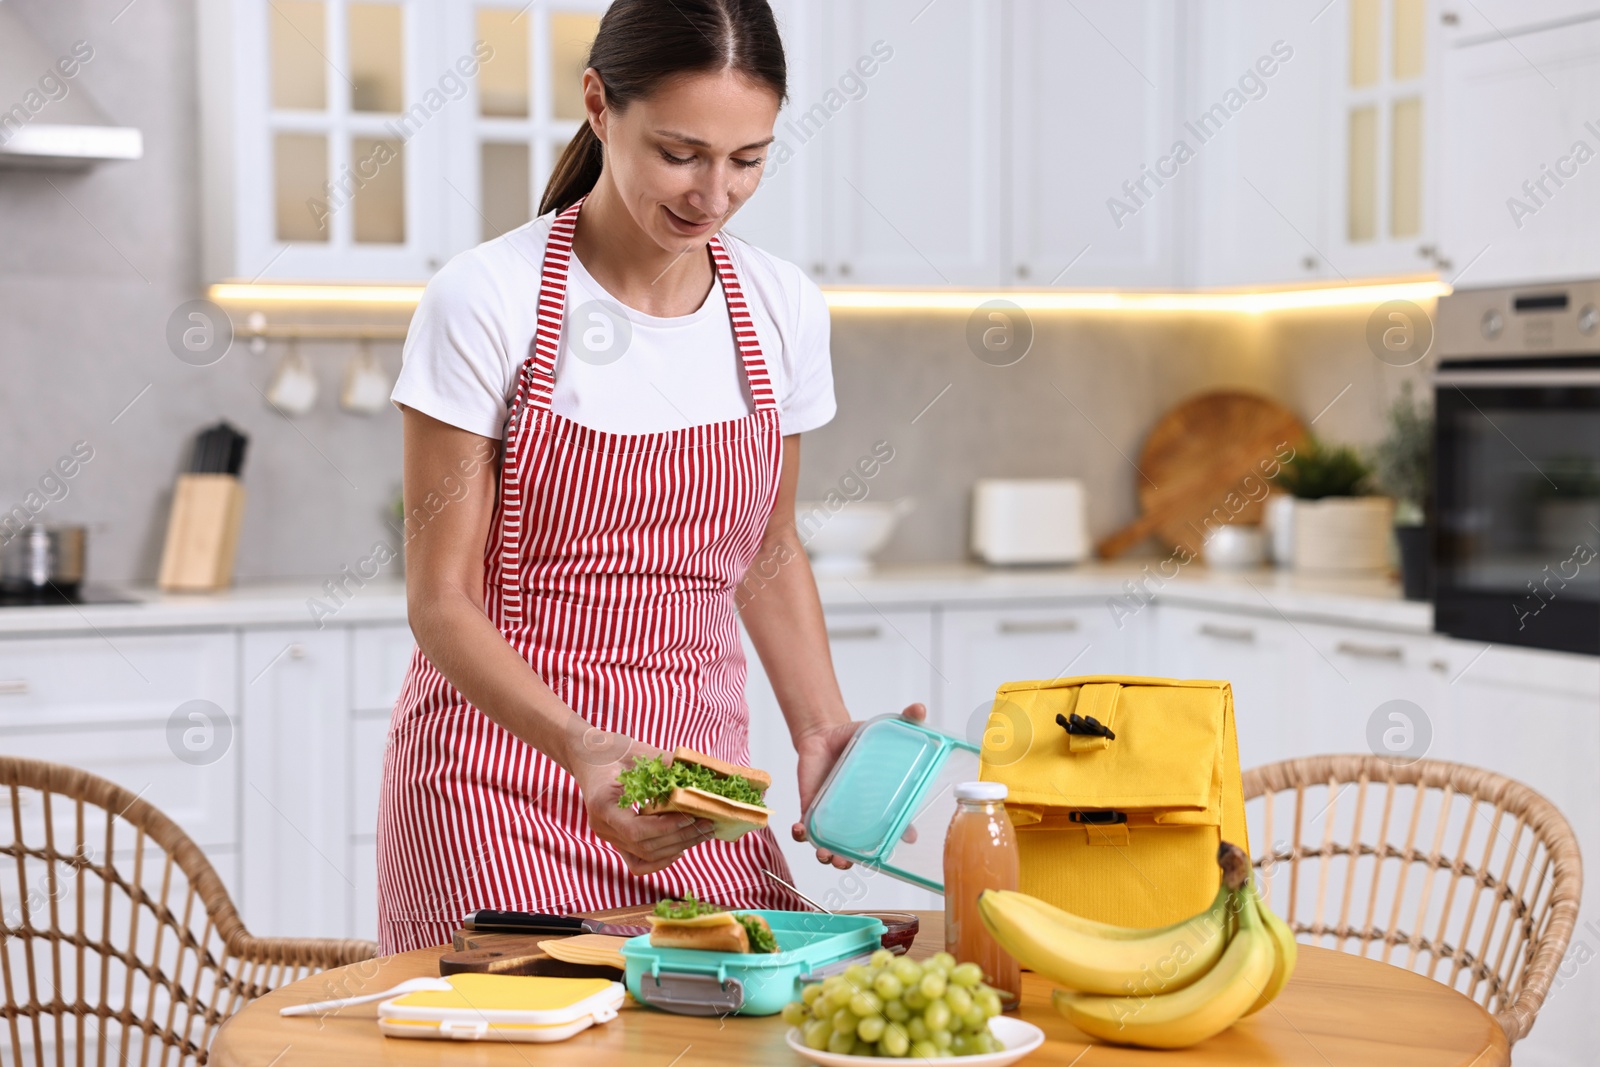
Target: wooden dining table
[[1337, 1010]]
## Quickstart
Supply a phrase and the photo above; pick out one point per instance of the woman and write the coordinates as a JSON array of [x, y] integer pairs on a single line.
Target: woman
[[640, 382]]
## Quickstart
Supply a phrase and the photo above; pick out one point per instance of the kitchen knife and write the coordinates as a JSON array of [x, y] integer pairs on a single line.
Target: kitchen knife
[[517, 961], [527, 922]]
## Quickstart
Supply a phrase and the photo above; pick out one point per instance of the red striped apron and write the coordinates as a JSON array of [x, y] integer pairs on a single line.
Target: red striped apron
[[611, 565]]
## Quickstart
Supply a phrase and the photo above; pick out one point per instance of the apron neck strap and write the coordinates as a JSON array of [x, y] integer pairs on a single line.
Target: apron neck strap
[[536, 383]]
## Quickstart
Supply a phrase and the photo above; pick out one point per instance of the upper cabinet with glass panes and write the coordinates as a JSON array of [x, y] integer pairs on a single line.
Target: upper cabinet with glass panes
[[370, 140], [1384, 156], [521, 110], [321, 139]]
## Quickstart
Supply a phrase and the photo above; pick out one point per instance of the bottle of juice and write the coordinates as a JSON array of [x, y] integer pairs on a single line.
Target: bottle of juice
[[980, 852]]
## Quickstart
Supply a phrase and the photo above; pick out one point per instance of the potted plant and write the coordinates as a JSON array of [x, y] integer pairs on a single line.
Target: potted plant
[[1402, 467], [1337, 529]]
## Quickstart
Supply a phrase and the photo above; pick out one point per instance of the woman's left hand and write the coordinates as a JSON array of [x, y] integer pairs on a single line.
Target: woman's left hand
[[819, 751]]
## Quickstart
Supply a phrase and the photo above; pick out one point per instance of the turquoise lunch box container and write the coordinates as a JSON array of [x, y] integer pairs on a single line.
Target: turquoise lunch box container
[[691, 982]]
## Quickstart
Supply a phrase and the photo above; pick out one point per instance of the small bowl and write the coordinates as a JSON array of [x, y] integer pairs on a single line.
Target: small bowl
[[900, 928], [841, 538]]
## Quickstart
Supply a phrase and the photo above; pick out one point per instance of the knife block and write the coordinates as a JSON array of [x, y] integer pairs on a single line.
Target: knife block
[[202, 533]]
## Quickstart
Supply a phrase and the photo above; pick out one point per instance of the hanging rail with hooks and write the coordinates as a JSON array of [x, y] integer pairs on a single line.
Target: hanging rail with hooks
[[330, 332]]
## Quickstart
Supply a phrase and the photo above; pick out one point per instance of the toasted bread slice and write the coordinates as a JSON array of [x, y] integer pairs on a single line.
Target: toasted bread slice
[[718, 932], [730, 819], [758, 778]]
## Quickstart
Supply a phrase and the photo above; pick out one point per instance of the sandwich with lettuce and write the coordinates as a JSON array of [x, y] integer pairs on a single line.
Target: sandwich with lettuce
[[691, 923], [728, 795]]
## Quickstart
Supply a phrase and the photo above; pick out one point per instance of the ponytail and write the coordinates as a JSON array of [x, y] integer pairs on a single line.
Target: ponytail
[[642, 43], [575, 173]]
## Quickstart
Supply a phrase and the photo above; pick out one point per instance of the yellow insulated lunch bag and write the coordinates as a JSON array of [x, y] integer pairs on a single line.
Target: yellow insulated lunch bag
[[1120, 789]]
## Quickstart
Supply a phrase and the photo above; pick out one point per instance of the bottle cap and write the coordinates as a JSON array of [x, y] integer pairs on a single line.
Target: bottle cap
[[981, 791]]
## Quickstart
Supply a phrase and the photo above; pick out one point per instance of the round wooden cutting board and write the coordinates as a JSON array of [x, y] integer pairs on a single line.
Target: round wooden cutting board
[[1203, 450]]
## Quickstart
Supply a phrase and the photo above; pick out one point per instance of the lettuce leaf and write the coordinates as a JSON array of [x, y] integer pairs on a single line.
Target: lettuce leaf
[[761, 939], [652, 777], [687, 908]]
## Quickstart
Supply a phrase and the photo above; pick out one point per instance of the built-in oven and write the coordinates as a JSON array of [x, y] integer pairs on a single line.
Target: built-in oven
[[1517, 466]]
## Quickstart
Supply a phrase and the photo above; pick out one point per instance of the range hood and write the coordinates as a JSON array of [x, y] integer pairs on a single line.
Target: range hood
[[46, 118]]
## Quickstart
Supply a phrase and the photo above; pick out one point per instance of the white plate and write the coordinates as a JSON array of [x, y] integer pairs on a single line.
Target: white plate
[[1018, 1037]]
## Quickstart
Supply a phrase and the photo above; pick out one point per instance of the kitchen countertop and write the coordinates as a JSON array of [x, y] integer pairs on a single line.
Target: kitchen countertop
[[1373, 602]]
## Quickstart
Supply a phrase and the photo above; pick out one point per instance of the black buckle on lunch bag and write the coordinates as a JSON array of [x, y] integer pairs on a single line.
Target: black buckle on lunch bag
[[1098, 818], [1086, 725]]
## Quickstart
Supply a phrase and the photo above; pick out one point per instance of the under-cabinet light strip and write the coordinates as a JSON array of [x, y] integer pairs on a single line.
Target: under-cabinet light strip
[[939, 299]]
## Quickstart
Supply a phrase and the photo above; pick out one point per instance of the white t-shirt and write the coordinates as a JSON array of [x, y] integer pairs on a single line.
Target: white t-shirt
[[619, 370]]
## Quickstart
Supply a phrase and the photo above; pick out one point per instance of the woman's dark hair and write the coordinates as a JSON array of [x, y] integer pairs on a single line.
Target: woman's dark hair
[[642, 43]]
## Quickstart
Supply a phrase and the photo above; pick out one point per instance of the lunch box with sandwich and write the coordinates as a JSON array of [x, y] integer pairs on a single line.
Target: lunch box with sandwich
[[889, 798], [696, 982], [499, 1007]]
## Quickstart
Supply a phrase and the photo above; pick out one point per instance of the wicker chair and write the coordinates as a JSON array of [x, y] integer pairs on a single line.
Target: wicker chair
[[116, 934], [1475, 878]]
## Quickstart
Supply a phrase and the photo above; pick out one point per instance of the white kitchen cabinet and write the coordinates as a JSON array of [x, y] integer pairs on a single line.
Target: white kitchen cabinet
[[1366, 690], [908, 177], [983, 646], [780, 216], [1531, 715], [1260, 657], [1092, 100], [1519, 139], [520, 111], [1383, 174], [884, 661], [322, 138], [296, 784], [1259, 215], [155, 713], [379, 659]]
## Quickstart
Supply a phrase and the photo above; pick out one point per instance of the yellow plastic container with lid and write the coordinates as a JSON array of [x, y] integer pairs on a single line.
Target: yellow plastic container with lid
[[1120, 789], [499, 1007]]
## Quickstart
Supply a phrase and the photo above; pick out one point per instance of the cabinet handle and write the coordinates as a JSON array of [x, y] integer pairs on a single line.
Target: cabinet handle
[[844, 270], [15, 687], [1022, 270], [1227, 633], [819, 269], [1037, 626], [297, 651], [854, 633], [1359, 651]]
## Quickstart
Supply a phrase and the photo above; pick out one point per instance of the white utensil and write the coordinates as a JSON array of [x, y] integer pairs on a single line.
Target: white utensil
[[1234, 548], [366, 388], [410, 985], [294, 387]]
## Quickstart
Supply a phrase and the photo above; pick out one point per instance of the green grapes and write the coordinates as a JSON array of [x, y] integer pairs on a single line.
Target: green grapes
[[896, 1007], [887, 986], [967, 975], [865, 1004]]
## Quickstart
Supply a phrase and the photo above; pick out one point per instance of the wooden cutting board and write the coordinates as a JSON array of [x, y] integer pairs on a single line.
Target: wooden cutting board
[[1196, 455], [495, 953]]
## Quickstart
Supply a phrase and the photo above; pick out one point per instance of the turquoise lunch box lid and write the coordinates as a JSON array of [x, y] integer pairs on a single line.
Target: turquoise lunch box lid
[[888, 800], [690, 981]]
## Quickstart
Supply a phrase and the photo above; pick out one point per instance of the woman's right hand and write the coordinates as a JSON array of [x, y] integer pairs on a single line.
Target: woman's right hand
[[647, 843]]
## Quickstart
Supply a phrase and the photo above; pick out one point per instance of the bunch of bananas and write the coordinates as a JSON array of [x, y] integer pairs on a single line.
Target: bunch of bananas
[[1165, 988]]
